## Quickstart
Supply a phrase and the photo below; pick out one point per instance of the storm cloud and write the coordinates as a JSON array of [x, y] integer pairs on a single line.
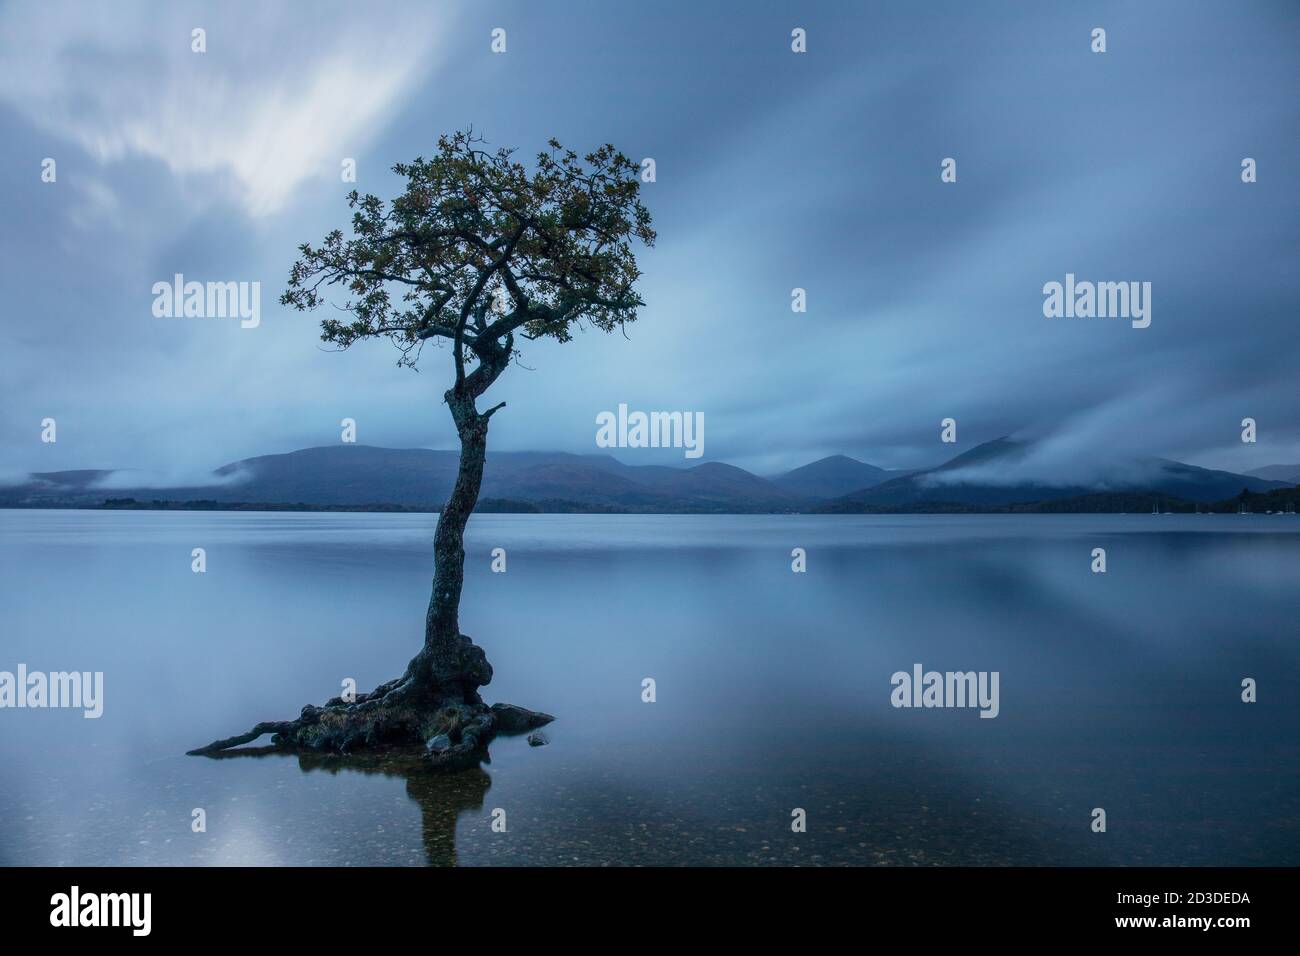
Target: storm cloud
[[775, 171]]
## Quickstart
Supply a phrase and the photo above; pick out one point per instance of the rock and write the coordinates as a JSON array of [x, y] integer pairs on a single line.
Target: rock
[[510, 719], [538, 739], [438, 744]]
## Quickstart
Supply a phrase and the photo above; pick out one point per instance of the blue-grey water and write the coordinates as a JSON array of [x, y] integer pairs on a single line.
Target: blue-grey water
[[1119, 691]]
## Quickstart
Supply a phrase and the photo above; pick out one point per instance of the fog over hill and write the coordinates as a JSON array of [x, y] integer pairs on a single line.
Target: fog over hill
[[999, 472], [1006, 471], [1288, 473]]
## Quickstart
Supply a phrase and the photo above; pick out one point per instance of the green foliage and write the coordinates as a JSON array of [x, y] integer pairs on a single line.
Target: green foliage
[[479, 247]]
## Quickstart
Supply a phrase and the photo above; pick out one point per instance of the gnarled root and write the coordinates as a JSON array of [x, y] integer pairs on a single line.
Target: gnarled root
[[434, 706]]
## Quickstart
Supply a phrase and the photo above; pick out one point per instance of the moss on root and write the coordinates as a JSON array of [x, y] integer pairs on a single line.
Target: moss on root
[[433, 710]]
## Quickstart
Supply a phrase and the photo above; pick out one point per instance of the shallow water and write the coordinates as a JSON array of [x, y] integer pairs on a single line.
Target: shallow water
[[1119, 691]]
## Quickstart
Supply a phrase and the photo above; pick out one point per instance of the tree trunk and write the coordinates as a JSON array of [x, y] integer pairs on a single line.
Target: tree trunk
[[442, 622], [448, 661], [435, 705]]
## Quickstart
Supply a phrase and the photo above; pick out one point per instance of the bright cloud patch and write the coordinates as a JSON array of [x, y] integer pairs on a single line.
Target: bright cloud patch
[[262, 114]]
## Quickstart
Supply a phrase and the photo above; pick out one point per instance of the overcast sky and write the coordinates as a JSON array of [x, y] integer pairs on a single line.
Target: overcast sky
[[775, 170]]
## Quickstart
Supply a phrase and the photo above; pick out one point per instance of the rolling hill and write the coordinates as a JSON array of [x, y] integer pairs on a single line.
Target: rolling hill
[[340, 476], [1005, 472], [1288, 473], [991, 476], [834, 476]]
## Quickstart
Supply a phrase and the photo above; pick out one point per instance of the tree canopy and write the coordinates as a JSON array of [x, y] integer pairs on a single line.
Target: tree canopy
[[478, 248]]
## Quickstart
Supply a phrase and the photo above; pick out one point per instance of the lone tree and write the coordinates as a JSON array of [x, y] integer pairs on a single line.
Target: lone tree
[[477, 253]]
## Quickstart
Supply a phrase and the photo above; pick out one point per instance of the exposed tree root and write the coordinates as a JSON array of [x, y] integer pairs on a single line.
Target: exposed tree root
[[434, 707]]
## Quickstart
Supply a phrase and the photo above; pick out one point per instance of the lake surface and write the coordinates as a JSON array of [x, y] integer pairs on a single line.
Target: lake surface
[[1119, 690]]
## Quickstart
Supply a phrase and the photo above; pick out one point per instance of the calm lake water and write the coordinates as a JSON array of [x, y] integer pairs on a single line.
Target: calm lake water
[[1119, 690]]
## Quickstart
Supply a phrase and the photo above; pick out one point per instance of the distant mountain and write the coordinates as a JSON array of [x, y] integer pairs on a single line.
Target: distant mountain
[[1288, 473], [1208, 484], [719, 484], [832, 477], [986, 475], [362, 477], [338, 475], [599, 479]]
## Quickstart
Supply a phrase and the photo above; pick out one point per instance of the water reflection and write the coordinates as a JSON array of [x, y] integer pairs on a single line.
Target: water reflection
[[441, 797], [1118, 690]]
